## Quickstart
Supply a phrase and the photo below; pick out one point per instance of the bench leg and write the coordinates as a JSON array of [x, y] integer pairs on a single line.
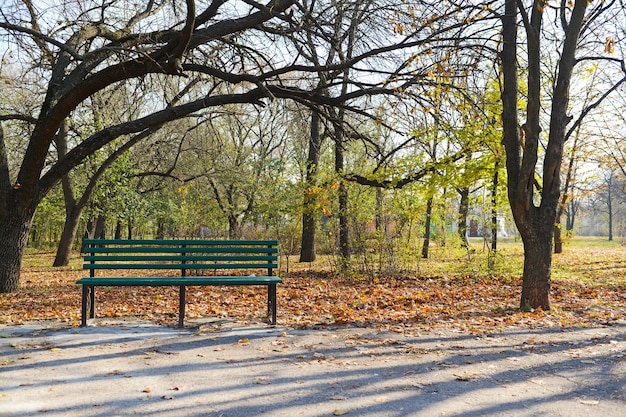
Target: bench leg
[[92, 301], [271, 303], [83, 308], [88, 302], [181, 306]]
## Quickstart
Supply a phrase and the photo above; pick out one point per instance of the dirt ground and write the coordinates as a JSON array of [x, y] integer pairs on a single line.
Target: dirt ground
[[227, 368]]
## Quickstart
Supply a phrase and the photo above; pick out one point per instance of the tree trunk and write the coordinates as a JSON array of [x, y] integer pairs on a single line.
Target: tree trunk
[[160, 232], [118, 230], [570, 216], [234, 229], [536, 223], [494, 208], [558, 237], [429, 214], [70, 229], [609, 206], [307, 249], [72, 209], [344, 231], [100, 232], [537, 271], [378, 216], [463, 213], [15, 229]]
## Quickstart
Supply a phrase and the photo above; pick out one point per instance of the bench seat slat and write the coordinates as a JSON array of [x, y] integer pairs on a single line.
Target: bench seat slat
[[158, 242], [177, 281]]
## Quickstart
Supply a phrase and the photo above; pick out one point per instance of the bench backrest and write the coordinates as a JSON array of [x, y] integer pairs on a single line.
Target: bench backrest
[[180, 254]]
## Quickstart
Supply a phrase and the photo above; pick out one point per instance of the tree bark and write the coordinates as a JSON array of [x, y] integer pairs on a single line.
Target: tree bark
[[234, 229], [463, 213], [100, 232], [72, 210], [609, 206], [15, 230], [537, 266], [307, 249], [378, 216], [344, 231], [118, 230], [429, 214], [494, 208], [70, 230], [558, 237]]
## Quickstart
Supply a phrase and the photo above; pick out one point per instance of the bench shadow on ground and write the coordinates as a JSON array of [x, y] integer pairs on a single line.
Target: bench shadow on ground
[[253, 370]]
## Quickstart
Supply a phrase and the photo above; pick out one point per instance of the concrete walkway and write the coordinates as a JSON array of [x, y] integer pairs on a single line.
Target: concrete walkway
[[222, 368]]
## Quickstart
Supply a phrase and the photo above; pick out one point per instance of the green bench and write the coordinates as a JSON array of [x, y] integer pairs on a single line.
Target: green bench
[[196, 262]]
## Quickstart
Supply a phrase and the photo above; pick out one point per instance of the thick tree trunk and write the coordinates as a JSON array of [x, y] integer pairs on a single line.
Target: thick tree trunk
[[307, 249], [15, 229], [537, 270]]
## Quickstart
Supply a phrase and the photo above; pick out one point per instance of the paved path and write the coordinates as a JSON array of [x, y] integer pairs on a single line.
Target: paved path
[[223, 368]]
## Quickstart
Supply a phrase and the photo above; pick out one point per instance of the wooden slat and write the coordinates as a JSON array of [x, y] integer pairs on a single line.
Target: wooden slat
[[166, 242], [177, 281]]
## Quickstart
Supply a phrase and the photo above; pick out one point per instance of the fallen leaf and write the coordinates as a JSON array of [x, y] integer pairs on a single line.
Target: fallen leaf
[[340, 412], [465, 376], [262, 380], [115, 373], [148, 389]]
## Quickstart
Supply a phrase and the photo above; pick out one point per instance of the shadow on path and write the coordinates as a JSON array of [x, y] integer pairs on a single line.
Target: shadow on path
[[229, 369]]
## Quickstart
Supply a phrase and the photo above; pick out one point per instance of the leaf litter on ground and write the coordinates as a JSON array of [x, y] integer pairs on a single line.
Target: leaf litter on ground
[[588, 288]]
